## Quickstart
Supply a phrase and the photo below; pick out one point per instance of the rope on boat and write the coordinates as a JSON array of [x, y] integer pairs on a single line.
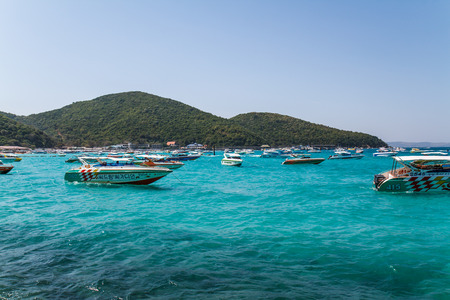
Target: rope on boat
[[177, 177]]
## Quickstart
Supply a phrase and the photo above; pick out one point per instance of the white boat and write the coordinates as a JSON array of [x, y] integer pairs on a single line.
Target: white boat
[[416, 150], [314, 150], [157, 161], [384, 152], [116, 171], [276, 153], [249, 151], [415, 174], [183, 155], [239, 151], [345, 155], [231, 159], [442, 153]]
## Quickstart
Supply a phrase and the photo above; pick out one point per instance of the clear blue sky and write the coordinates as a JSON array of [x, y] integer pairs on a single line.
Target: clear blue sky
[[380, 67]]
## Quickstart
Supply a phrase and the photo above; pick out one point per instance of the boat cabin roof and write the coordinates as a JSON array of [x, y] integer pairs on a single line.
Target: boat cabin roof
[[343, 152], [422, 158], [427, 163], [232, 155]]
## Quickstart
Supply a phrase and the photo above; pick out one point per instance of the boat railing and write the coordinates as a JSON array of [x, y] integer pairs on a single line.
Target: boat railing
[[401, 172]]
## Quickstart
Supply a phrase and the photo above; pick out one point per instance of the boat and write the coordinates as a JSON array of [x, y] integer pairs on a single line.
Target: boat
[[9, 157], [232, 159], [249, 151], [345, 155], [5, 168], [313, 150], [415, 174], [416, 150], [302, 159], [157, 161], [275, 153], [116, 171], [384, 152], [88, 159], [72, 159], [183, 155], [399, 149], [169, 164], [442, 153], [39, 151]]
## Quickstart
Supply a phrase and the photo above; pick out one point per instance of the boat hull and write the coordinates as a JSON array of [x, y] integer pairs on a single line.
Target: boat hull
[[419, 183], [142, 176], [10, 159], [231, 162], [183, 158], [5, 169], [302, 161], [172, 165], [384, 154], [353, 156]]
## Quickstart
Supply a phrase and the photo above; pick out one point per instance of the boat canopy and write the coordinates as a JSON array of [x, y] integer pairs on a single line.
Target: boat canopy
[[232, 155], [422, 158], [427, 163]]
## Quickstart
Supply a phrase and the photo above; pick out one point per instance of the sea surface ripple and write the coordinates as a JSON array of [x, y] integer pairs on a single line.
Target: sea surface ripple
[[263, 230]]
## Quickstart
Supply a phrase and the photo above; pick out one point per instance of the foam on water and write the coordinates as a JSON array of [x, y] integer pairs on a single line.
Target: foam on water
[[259, 231]]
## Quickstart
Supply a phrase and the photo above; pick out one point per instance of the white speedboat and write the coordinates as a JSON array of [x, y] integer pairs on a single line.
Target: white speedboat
[[277, 153], [442, 153], [183, 155], [231, 159], [345, 155], [415, 174], [384, 152], [116, 171], [162, 162]]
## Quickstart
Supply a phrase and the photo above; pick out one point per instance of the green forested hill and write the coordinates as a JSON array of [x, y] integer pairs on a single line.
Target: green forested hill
[[143, 118], [138, 118], [278, 129], [13, 133]]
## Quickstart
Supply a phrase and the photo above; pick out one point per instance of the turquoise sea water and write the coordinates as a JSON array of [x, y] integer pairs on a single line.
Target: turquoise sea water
[[210, 231]]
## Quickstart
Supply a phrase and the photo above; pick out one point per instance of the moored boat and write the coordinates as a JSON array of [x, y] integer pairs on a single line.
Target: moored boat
[[416, 150], [169, 164], [442, 153], [345, 155], [72, 159], [182, 155], [231, 159], [302, 159], [9, 157], [415, 174], [275, 153], [117, 171], [384, 152], [5, 168]]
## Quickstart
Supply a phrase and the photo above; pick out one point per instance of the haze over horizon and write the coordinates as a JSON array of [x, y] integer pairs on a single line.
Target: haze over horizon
[[376, 67]]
